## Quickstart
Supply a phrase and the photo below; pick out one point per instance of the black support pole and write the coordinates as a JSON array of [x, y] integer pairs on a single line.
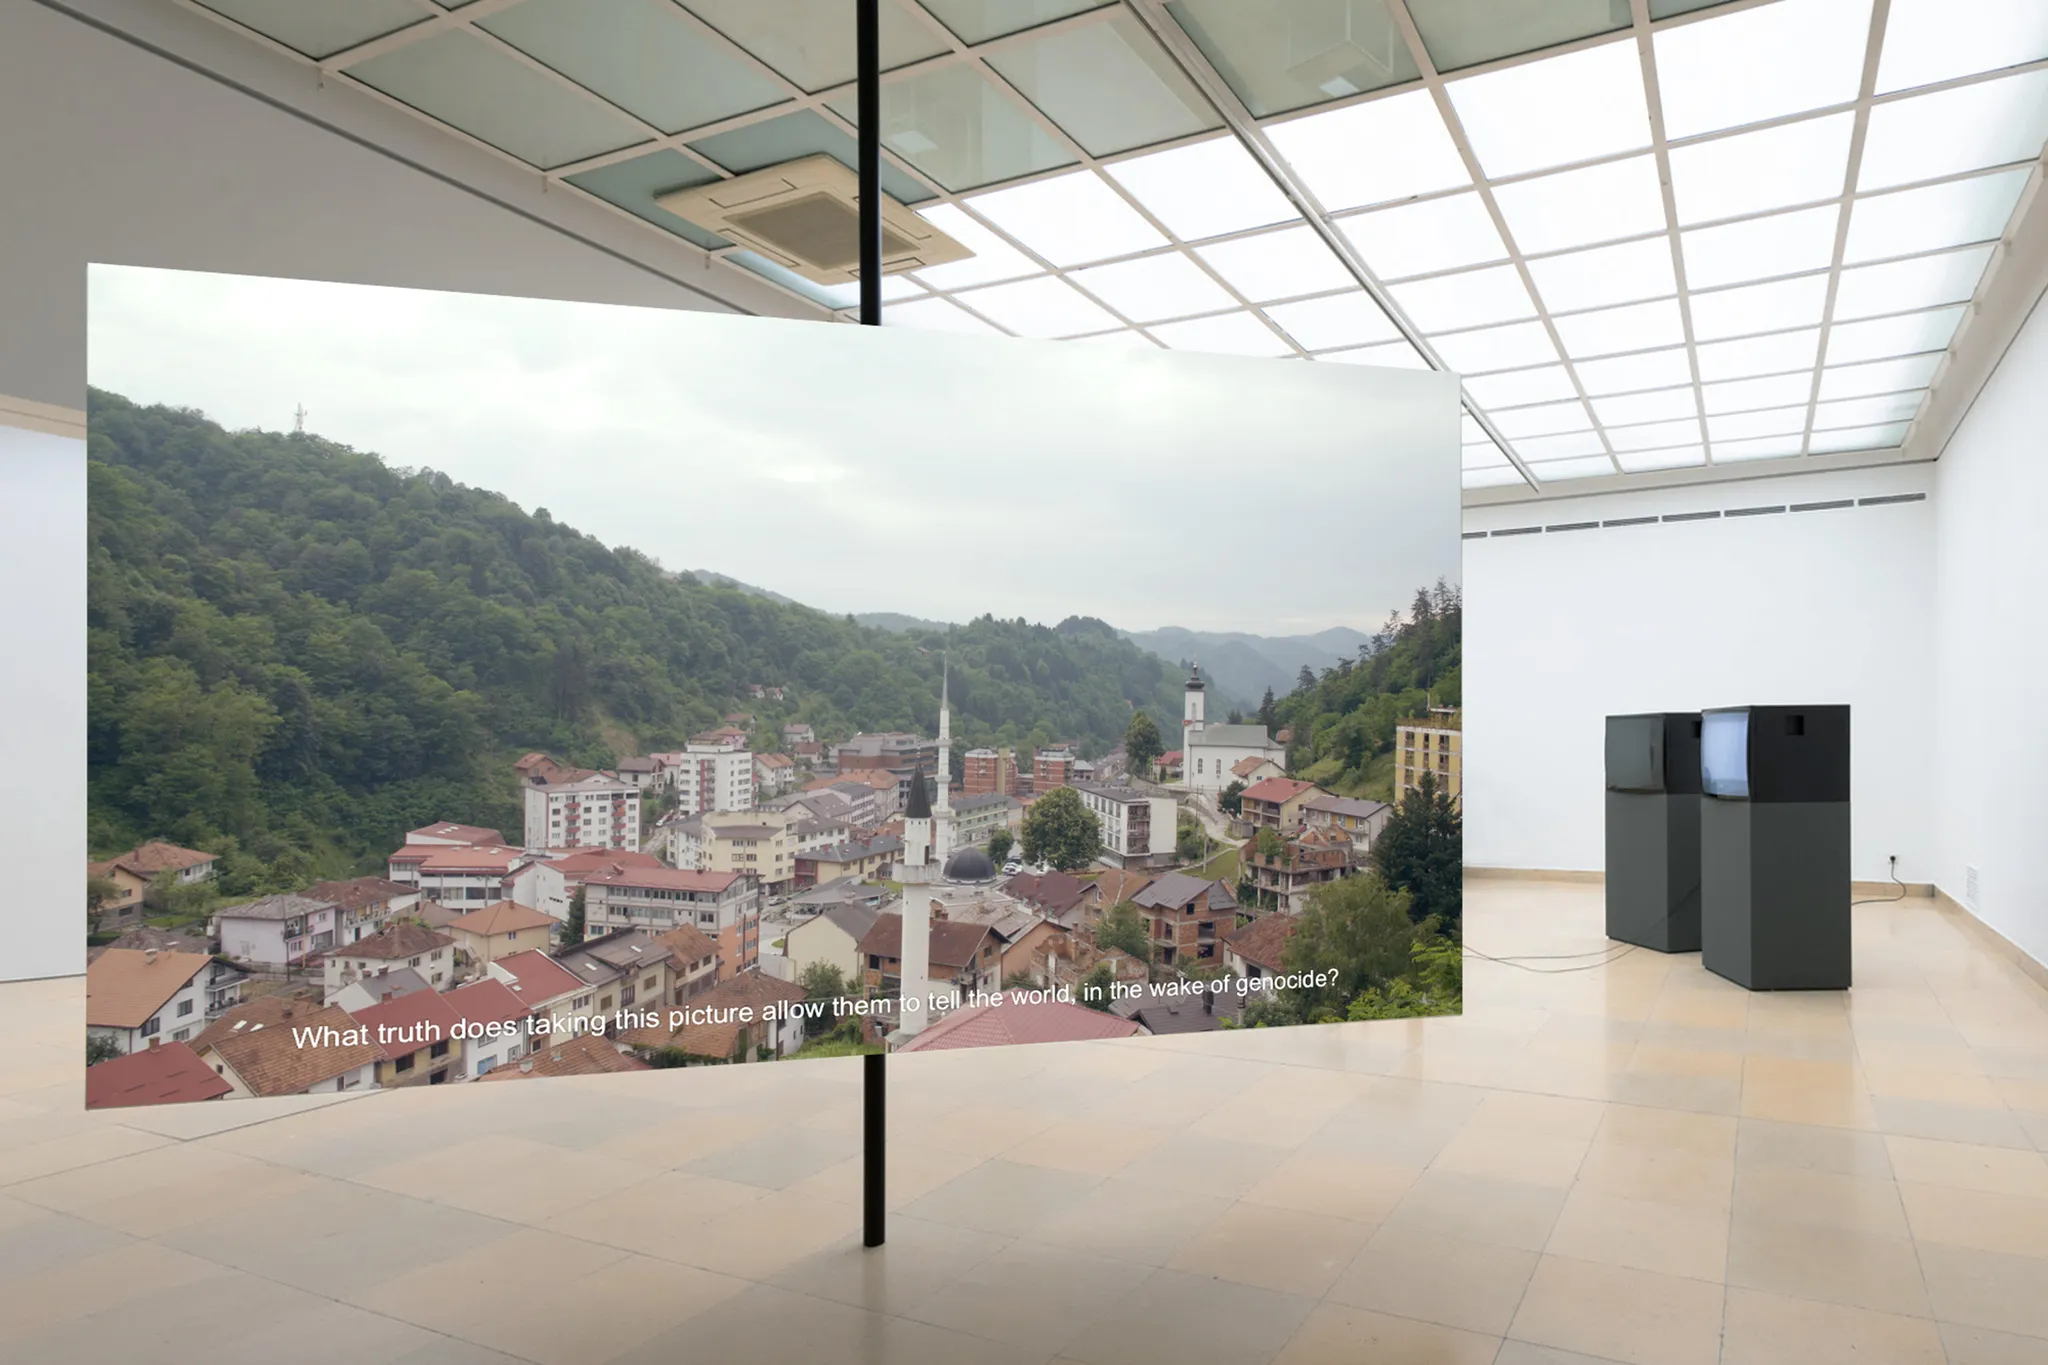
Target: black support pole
[[874, 1066]]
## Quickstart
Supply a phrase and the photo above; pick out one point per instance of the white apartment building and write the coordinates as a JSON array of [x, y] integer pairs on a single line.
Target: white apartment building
[[978, 816], [464, 878], [707, 777], [1136, 829], [579, 808], [657, 899]]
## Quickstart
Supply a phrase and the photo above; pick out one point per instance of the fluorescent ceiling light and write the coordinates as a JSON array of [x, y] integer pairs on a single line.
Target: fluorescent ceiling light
[[1937, 40], [1922, 282], [1449, 303], [1226, 334], [1561, 447], [993, 259], [1336, 320], [1630, 373], [1517, 388], [1643, 461], [1904, 334], [1547, 420], [1656, 436], [1154, 288], [1204, 190], [1580, 208], [1606, 275], [1555, 111], [1951, 131], [1760, 248], [1555, 471], [1773, 354], [1379, 152], [1637, 327], [1729, 177], [1750, 395], [936, 315], [1764, 448], [1496, 348], [1907, 222], [1072, 219], [1046, 307], [1860, 412], [1492, 478], [1423, 238], [1858, 438], [1760, 63], [1397, 355], [1773, 307], [1660, 405], [1745, 426], [1879, 376], [1278, 265]]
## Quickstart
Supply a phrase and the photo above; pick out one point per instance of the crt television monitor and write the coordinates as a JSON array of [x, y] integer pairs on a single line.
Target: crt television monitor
[[1724, 754], [1635, 753]]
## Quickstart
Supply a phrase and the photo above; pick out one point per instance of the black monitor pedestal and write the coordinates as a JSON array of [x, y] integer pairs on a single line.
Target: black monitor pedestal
[[1775, 890], [1653, 836]]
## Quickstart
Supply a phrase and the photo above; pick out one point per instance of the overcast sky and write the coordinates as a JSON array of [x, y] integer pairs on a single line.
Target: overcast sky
[[854, 470]]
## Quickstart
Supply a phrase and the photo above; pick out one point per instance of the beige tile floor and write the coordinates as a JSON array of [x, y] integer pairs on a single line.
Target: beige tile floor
[[1636, 1163]]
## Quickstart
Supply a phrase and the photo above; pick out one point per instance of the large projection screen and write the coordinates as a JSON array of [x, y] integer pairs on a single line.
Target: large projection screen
[[488, 688]]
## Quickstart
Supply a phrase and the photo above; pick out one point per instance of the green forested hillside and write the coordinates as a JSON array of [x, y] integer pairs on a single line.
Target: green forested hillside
[[298, 652], [1343, 719]]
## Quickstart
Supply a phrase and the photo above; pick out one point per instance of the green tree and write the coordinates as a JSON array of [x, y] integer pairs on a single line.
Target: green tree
[[1142, 745], [100, 1049], [1306, 680], [1421, 852], [1096, 986], [1232, 798], [822, 981], [572, 929], [1061, 832], [99, 889], [1123, 929], [1358, 930], [1189, 842], [1269, 714], [1000, 842]]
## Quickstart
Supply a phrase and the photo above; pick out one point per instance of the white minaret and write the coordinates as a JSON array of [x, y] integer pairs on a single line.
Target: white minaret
[[942, 812], [1191, 715]]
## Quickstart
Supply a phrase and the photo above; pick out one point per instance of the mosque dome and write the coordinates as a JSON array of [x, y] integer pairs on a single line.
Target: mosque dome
[[970, 864]]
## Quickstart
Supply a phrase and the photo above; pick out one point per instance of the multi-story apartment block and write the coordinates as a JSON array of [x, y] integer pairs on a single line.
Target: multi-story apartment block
[[724, 906], [582, 808], [760, 844], [1052, 768], [978, 816], [1137, 830], [1434, 744], [1186, 917], [464, 877], [710, 776], [1314, 857], [1278, 803], [989, 770]]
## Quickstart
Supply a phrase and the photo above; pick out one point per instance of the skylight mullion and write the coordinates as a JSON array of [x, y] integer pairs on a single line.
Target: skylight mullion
[[1433, 81], [1873, 54]]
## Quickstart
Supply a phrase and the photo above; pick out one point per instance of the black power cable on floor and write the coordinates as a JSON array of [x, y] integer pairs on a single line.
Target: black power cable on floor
[[1886, 900], [1619, 951]]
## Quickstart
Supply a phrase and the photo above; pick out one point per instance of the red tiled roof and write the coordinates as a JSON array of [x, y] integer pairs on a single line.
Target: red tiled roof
[[954, 943], [447, 831], [169, 1074], [1278, 790], [502, 917], [583, 1055], [357, 892], [1263, 942], [147, 860], [666, 879], [488, 1001], [538, 978], [393, 942], [1014, 1021], [423, 1015], [751, 992], [124, 986], [483, 858], [1058, 892], [583, 862], [270, 1061]]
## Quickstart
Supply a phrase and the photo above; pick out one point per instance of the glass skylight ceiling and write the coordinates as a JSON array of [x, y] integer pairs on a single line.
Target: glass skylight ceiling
[[1728, 235]]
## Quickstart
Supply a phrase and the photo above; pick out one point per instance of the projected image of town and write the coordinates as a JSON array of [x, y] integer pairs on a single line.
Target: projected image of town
[[489, 689]]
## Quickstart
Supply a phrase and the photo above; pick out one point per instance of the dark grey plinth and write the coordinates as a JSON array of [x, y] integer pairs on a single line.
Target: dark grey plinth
[[1653, 831], [1653, 870], [1774, 888]]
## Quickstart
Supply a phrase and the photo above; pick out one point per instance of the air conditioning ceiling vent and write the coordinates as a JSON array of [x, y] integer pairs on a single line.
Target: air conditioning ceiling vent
[[805, 217]]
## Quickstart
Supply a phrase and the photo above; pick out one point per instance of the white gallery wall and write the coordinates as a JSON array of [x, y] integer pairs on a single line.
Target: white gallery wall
[[1566, 627], [1990, 722]]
